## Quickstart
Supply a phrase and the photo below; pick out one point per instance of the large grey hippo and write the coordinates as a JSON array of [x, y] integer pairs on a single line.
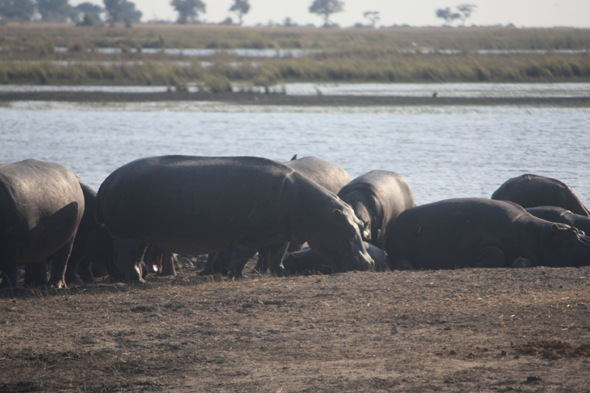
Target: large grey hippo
[[377, 198], [558, 214], [533, 190], [475, 232], [328, 175], [92, 245], [41, 205], [199, 205]]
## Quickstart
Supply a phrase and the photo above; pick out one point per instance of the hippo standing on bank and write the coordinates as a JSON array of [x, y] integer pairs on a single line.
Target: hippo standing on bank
[[377, 198], [533, 190], [328, 175], [558, 214], [199, 205], [41, 205], [474, 232]]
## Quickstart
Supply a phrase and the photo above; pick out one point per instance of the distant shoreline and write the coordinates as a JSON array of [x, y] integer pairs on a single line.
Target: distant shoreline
[[287, 100]]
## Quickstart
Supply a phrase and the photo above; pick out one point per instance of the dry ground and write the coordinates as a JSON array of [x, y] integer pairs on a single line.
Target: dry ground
[[465, 330]]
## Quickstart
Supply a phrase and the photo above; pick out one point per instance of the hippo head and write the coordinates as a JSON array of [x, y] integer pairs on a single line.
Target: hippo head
[[336, 236], [361, 212], [566, 246]]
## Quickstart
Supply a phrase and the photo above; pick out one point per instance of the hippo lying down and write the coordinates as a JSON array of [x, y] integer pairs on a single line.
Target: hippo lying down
[[307, 261], [476, 232], [200, 205]]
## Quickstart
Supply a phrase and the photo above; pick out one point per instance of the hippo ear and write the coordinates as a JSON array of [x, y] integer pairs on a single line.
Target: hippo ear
[[338, 214], [555, 228]]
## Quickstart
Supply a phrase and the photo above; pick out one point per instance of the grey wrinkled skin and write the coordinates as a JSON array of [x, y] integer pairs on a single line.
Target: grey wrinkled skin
[[533, 190], [558, 214], [474, 232], [307, 261], [41, 206], [326, 174], [201, 205], [377, 198]]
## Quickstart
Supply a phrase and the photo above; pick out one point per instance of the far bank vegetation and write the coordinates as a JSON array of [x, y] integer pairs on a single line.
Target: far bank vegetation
[[64, 54]]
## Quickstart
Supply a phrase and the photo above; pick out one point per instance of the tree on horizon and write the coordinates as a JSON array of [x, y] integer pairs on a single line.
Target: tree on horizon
[[56, 10], [326, 8], [17, 9], [188, 10], [448, 15], [241, 7], [122, 10]]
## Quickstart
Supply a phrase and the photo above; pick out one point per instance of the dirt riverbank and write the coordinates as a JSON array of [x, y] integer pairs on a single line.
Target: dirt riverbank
[[280, 99], [465, 330]]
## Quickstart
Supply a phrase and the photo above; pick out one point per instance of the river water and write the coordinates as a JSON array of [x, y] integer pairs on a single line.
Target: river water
[[444, 152]]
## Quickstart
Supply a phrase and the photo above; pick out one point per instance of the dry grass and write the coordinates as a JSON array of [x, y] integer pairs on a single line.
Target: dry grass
[[347, 55], [462, 330]]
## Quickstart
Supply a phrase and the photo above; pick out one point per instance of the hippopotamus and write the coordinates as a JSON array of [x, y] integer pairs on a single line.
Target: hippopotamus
[[303, 262], [200, 205], [41, 205], [326, 174], [533, 190], [558, 214], [92, 249], [476, 232], [377, 198]]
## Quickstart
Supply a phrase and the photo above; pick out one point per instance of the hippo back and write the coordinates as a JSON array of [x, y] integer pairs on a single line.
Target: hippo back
[[326, 174], [533, 190], [378, 197]]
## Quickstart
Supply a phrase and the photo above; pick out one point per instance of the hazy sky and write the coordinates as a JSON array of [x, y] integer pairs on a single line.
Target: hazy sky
[[522, 13]]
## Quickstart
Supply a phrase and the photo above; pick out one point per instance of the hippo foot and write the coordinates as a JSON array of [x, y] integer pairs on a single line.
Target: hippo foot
[[280, 272], [61, 284], [404, 264], [521, 262]]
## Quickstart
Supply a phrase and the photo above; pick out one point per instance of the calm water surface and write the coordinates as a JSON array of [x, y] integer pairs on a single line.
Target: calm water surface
[[443, 152]]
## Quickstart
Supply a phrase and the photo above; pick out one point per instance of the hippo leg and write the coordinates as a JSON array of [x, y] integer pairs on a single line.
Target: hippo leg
[[217, 263], [272, 257], [263, 261], [36, 274], [84, 273], [59, 262], [490, 257], [241, 254], [168, 265], [128, 257]]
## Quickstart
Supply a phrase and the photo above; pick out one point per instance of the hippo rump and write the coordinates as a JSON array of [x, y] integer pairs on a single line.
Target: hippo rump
[[533, 190], [377, 198], [558, 214], [41, 205], [475, 232], [307, 261], [328, 175], [200, 205]]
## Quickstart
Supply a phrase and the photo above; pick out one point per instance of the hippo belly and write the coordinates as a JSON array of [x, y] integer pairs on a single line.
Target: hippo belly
[[41, 205]]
